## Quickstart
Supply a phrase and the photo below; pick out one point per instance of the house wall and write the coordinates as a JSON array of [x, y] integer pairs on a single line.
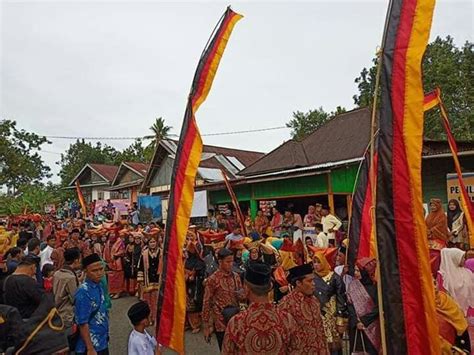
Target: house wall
[[99, 192], [434, 173], [163, 177], [129, 176]]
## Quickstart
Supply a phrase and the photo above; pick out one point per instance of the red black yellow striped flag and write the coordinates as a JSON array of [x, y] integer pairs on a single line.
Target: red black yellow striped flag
[[361, 229], [171, 306], [235, 203], [433, 99], [405, 275], [81, 198]]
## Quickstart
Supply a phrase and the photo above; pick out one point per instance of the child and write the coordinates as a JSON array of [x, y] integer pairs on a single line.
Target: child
[[48, 271], [139, 341]]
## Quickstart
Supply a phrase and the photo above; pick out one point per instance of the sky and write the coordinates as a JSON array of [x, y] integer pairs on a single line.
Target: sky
[[96, 69]]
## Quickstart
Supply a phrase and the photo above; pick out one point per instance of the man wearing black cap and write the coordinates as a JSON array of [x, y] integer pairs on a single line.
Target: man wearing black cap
[[91, 310], [223, 289], [304, 307], [262, 328]]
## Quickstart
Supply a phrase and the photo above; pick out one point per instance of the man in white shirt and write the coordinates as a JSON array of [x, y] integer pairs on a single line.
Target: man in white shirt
[[330, 224], [321, 239], [45, 254], [139, 341]]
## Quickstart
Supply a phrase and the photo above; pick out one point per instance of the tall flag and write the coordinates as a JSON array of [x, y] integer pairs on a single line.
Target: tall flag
[[235, 203], [361, 229], [405, 275], [81, 198], [433, 99], [171, 306]]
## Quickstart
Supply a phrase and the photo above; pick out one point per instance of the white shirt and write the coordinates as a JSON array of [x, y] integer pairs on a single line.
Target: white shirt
[[330, 222], [141, 343], [45, 256], [321, 240]]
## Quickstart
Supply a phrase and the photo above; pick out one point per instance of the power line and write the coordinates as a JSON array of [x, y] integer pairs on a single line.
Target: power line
[[171, 135]]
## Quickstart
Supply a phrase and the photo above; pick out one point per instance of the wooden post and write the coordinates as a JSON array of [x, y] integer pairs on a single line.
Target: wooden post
[[330, 195], [349, 205]]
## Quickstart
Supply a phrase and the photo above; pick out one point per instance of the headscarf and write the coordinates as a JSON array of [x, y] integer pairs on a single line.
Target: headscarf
[[457, 280], [367, 267], [437, 222], [453, 215], [326, 268], [469, 264]]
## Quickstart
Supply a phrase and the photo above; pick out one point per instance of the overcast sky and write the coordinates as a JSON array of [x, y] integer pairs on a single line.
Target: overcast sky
[[109, 68]]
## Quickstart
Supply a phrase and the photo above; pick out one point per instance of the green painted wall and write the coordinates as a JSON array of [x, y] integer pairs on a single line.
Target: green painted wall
[[343, 179], [222, 196], [434, 175], [306, 185]]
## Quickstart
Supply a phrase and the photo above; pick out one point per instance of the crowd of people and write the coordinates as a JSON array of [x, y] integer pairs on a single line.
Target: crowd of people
[[275, 284]]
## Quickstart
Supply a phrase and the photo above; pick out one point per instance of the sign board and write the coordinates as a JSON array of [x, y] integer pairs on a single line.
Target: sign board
[[199, 204], [454, 190], [150, 208], [122, 204]]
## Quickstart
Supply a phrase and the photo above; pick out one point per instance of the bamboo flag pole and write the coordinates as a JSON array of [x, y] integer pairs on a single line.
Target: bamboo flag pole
[[373, 129]]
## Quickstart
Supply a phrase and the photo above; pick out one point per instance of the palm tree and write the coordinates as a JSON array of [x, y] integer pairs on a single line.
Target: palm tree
[[160, 131]]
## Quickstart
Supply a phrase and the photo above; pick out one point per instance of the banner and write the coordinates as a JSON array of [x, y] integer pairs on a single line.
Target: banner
[[149, 208], [408, 302], [454, 190]]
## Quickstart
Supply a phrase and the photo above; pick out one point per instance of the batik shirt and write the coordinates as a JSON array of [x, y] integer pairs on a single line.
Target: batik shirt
[[309, 330], [219, 293], [261, 329], [90, 299]]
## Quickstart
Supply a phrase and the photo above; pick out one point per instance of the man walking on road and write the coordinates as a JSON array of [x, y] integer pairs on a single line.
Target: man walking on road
[[91, 310], [223, 290], [304, 307], [262, 328], [65, 284]]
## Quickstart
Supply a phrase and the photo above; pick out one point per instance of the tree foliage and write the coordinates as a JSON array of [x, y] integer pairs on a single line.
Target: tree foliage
[[80, 153], [31, 199], [445, 66], [160, 131], [19, 158], [137, 152], [304, 123]]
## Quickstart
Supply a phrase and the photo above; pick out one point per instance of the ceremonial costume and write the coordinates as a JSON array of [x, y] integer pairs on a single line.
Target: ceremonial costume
[[220, 291], [261, 329], [113, 256], [148, 277], [130, 265], [309, 330]]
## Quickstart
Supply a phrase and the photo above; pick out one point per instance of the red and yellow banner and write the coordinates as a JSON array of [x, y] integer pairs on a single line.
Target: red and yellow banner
[[433, 99], [171, 308], [406, 283], [81, 198]]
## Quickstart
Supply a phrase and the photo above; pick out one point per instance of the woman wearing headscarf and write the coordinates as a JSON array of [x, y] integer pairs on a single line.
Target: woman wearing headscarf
[[455, 279], [437, 225], [331, 294], [364, 327], [456, 223], [195, 271], [469, 264]]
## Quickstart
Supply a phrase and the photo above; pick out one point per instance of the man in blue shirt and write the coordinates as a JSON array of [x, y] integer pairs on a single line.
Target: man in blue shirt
[[91, 311]]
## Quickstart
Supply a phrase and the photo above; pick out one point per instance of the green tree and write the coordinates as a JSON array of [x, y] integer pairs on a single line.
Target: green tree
[[80, 153], [160, 131], [445, 66], [136, 152], [19, 158], [304, 123], [31, 198]]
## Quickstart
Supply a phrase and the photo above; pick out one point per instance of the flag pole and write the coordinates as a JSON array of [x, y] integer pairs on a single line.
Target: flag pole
[[372, 175]]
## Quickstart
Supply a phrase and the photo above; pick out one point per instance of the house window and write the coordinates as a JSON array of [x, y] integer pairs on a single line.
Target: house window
[[114, 195], [125, 194], [100, 195]]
